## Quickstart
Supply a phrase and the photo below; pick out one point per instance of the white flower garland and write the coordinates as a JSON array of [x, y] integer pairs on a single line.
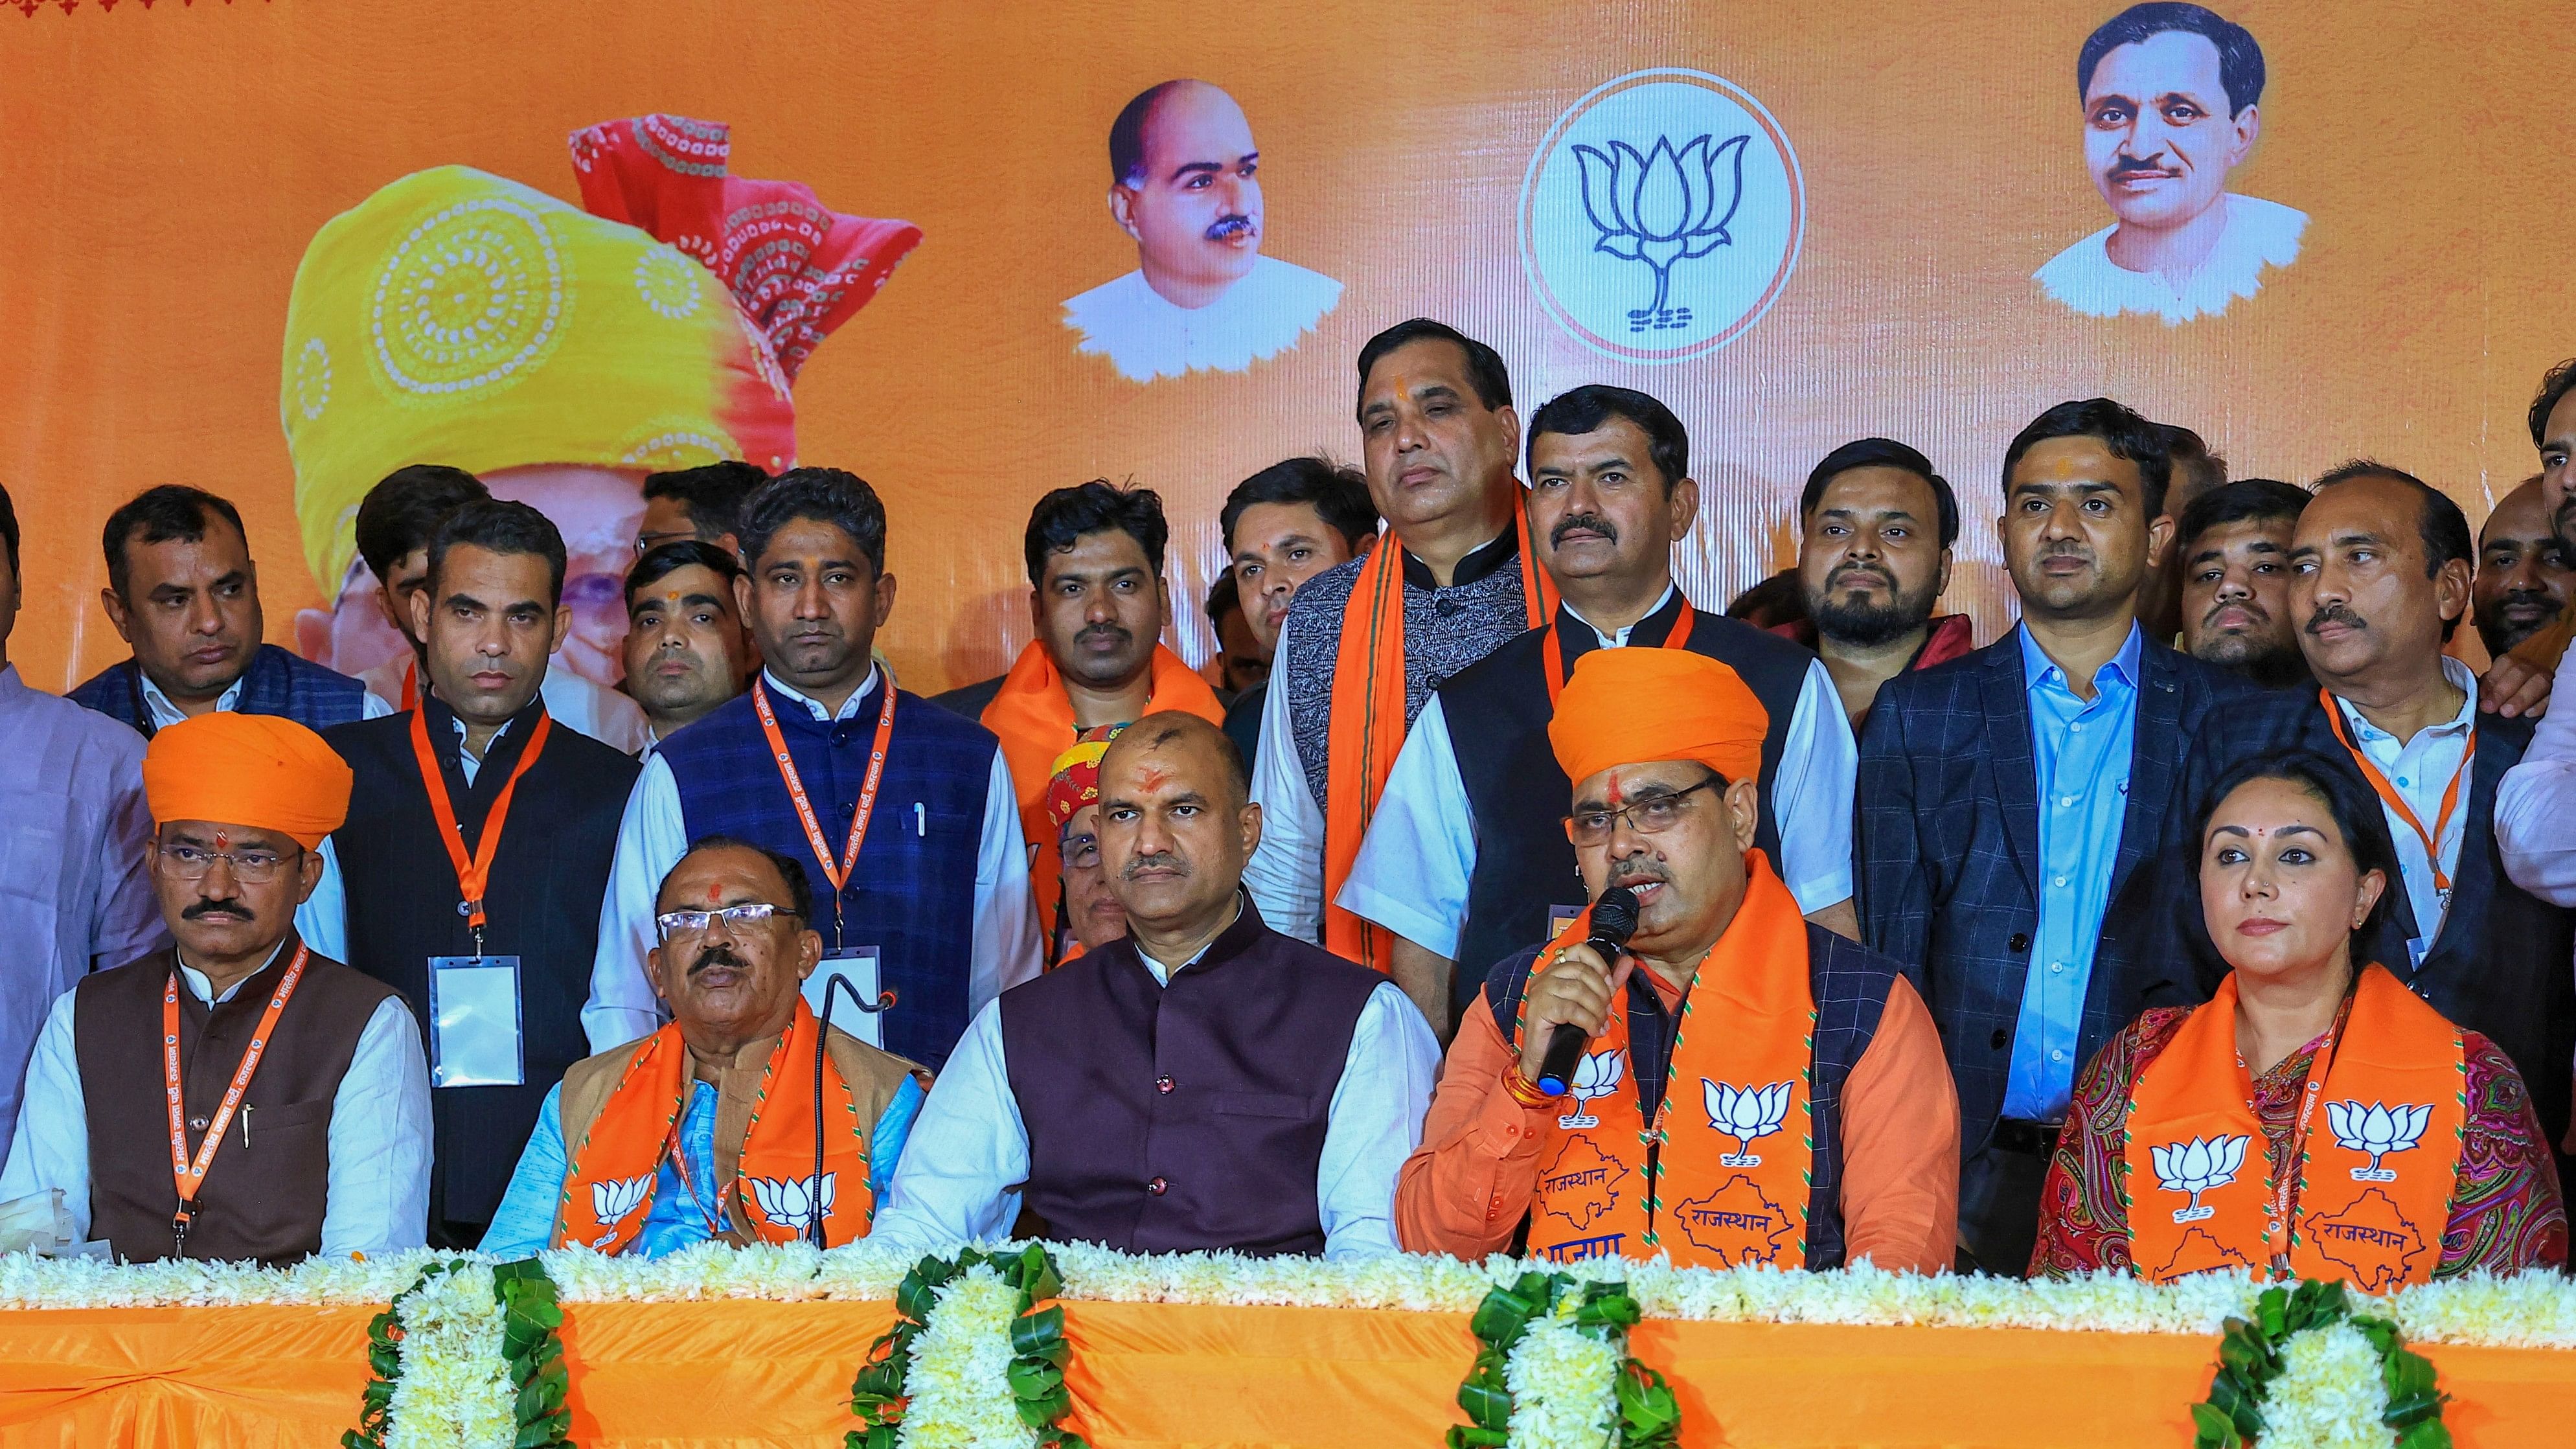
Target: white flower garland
[[454, 1392], [2329, 1394], [959, 1382], [1564, 1383]]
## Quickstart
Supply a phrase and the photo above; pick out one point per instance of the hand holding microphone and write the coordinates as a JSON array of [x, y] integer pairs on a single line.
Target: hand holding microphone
[[1567, 1003]]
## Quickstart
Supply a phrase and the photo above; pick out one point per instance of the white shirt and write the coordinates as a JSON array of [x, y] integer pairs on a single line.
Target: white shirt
[[2421, 771], [2535, 805], [1286, 871], [968, 1155], [2259, 233], [575, 703], [323, 919], [654, 835], [379, 1142], [1146, 336], [165, 714]]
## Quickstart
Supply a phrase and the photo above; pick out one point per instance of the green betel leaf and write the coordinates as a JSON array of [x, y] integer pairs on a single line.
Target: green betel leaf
[[1488, 1406], [1501, 1317], [1645, 1400], [1034, 1334], [1038, 1413], [2271, 1312], [1034, 1379], [2212, 1429], [2245, 1354], [2428, 1435], [1462, 1437]]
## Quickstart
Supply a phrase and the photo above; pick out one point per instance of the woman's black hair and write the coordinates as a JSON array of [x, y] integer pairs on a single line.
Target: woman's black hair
[[2356, 817]]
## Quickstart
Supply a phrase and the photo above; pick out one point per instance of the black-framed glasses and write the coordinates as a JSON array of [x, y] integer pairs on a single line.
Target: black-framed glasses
[[1651, 816], [695, 923], [254, 867], [1081, 851]]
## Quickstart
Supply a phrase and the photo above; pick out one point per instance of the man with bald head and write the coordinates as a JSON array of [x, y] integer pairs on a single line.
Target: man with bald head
[[1184, 184], [1204, 1083], [2522, 578]]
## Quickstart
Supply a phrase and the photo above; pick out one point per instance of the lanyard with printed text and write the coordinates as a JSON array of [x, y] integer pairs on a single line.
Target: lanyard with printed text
[[191, 1175], [2389, 797], [837, 872], [473, 874], [1554, 650]]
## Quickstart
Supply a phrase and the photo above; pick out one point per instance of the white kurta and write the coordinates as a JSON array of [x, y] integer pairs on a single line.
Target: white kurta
[[1146, 336]]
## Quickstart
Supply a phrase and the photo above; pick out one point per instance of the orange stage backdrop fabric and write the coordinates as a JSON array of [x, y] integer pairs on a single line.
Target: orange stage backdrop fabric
[[1158, 1376]]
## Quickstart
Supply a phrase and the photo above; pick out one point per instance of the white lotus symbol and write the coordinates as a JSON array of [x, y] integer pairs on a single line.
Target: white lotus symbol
[[1597, 1075], [615, 1198], [1745, 1113], [1662, 206], [789, 1202], [2378, 1131], [2195, 1167]]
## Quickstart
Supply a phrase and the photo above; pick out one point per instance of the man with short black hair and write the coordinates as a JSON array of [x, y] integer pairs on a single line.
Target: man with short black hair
[[2521, 586], [685, 646], [1876, 526], [904, 810], [183, 592], [2196, 470], [1281, 527], [702, 503], [1241, 661], [2233, 553]]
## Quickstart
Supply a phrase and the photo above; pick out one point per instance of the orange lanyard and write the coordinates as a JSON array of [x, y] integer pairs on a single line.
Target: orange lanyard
[[190, 1176], [475, 874], [1554, 649], [839, 875], [2388, 795]]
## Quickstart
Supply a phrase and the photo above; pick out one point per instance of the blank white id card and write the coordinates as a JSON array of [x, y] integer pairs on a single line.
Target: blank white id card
[[858, 966], [474, 1022]]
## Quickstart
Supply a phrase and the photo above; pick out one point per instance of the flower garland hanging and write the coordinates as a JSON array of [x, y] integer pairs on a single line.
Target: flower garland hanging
[[1552, 1371], [972, 1361], [469, 1355], [2306, 1370]]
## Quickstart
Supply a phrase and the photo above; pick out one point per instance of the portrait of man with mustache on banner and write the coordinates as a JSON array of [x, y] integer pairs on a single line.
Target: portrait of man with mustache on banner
[[1184, 183], [2170, 95]]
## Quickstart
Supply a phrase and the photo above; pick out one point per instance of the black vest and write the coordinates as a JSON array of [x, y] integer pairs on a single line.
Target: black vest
[[543, 901], [1497, 711]]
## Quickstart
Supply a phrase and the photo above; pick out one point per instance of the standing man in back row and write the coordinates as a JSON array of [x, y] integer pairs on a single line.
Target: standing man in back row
[[1281, 527]]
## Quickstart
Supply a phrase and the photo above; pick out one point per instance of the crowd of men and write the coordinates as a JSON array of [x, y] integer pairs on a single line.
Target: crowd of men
[[1487, 891]]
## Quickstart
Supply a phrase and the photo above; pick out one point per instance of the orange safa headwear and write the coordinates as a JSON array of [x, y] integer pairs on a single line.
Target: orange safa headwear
[[1074, 781], [1629, 706], [257, 770]]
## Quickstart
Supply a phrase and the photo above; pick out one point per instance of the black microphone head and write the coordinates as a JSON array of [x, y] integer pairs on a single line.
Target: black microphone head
[[1614, 916]]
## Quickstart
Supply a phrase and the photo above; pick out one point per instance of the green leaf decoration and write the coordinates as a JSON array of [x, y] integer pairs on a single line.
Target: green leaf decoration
[[1649, 1414], [2213, 1430], [1039, 1350], [2250, 1358]]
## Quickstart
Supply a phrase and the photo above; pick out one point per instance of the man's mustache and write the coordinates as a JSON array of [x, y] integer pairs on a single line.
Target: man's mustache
[[1105, 631], [2253, 610], [1844, 571], [1637, 868], [1573, 521], [206, 907], [1159, 860], [2122, 170], [718, 956], [2334, 614], [1227, 228]]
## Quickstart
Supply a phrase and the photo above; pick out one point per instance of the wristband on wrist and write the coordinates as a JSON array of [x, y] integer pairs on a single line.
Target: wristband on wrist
[[1523, 1090]]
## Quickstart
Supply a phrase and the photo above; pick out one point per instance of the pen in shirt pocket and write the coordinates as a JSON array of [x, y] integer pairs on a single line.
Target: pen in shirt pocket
[[920, 820]]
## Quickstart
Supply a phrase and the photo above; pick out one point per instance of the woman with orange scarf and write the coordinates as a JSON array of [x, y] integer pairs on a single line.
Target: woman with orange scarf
[[2315, 1118]]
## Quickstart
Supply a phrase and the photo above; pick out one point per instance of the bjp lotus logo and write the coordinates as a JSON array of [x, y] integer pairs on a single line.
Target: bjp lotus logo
[[1745, 1114], [2378, 1131], [2195, 1167], [1597, 1075], [612, 1200], [1662, 207], [794, 1203]]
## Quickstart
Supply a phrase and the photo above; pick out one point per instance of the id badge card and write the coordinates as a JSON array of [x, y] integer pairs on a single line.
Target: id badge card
[[1558, 918], [858, 966], [474, 1022]]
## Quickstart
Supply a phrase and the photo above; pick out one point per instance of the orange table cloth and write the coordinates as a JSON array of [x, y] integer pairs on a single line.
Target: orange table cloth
[[740, 1373]]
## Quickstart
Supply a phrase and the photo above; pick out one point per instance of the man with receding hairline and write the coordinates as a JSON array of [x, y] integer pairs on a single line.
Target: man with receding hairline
[[1203, 1083]]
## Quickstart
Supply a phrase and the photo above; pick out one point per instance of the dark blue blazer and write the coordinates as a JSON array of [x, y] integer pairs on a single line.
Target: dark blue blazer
[[1948, 845]]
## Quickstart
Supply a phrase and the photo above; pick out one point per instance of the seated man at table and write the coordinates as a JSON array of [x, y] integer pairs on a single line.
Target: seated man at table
[[305, 1088], [1817, 1124], [1092, 915], [729, 1082], [1205, 1082]]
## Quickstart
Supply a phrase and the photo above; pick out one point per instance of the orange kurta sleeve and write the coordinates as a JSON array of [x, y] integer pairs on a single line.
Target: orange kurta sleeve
[[1900, 1121], [1463, 1191]]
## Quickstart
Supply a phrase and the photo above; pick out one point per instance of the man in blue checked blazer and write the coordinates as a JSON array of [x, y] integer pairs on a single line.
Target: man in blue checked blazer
[[2017, 806]]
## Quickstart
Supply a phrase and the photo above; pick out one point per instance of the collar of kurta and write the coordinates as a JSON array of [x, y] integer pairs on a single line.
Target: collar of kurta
[[1481, 561], [1576, 635], [1246, 932], [499, 755]]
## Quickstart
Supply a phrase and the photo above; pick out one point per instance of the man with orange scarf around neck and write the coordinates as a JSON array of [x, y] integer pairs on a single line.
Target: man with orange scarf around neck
[[1098, 602], [1755, 1090]]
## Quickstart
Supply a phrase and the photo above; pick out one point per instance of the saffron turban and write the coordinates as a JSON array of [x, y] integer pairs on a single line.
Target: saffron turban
[[255, 770], [1629, 706], [456, 317], [1074, 780]]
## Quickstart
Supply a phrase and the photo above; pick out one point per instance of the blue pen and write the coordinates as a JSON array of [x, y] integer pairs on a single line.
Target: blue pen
[[920, 820]]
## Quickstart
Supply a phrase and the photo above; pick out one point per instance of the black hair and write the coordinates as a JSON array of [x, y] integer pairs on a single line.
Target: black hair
[[665, 559], [2356, 817], [2189, 459], [1127, 134], [171, 513], [403, 511], [712, 493], [2555, 384], [1338, 495], [1485, 371], [1588, 408], [1065, 515], [9, 531], [1882, 453], [2126, 434], [2245, 500], [822, 495], [2240, 60], [800, 888], [497, 525], [1225, 596], [1779, 599], [2438, 521]]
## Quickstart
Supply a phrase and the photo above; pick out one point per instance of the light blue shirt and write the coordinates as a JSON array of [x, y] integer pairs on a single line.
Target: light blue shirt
[[525, 1222], [2080, 752]]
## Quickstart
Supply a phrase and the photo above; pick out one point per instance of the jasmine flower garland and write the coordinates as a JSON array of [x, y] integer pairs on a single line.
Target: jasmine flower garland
[[1552, 1371], [972, 1361]]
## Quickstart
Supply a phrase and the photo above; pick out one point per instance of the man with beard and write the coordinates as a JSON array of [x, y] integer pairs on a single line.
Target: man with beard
[[2522, 580], [1282, 526], [684, 639], [1466, 860], [2380, 581], [904, 808], [2235, 553], [2015, 804], [1098, 600], [1876, 528]]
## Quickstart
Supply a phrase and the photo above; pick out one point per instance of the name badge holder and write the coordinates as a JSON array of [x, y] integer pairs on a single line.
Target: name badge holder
[[1558, 918], [475, 1037], [857, 965]]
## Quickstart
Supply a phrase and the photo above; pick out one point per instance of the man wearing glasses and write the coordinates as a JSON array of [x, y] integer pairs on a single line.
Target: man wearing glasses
[[706, 1129], [1092, 915]]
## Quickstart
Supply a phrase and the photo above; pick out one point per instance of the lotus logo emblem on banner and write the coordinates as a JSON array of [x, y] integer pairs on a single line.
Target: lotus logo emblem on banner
[[2195, 1167], [1662, 215], [1744, 1113], [2378, 1131]]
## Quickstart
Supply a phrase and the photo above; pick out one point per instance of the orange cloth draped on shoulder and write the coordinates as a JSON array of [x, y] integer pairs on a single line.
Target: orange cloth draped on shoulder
[[619, 1161], [1033, 718], [1368, 722]]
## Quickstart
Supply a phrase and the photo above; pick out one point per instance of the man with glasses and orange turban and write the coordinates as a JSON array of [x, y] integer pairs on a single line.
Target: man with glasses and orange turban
[[1804, 1119], [1092, 915], [238, 1096]]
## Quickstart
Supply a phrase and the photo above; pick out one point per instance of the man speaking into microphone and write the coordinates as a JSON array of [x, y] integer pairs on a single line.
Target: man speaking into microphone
[[1755, 1089]]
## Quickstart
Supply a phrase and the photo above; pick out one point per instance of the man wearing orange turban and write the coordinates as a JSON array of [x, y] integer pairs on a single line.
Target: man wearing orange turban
[[302, 1116], [1092, 916], [1806, 1118]]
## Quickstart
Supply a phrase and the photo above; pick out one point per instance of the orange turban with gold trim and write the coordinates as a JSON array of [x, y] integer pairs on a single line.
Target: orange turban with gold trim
[[1629, 706], [255, 770]]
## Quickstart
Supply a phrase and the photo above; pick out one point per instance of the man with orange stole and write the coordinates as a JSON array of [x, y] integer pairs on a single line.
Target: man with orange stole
[[1755, 1089]]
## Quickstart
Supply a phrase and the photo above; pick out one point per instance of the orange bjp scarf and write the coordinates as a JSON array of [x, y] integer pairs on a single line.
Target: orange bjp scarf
[[1368, 723]]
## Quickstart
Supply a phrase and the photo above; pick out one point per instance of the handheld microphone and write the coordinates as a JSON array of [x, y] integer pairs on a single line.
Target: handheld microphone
[[1614, 920], [822, 1036]]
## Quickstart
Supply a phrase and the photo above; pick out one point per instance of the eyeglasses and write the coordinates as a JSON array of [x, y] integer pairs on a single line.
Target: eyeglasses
[[253, 867], [1081, 852], [695, 923], [1652, 816]]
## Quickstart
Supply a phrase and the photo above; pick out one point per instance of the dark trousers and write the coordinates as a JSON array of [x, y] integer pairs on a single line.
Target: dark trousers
[[1999, 1198]]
